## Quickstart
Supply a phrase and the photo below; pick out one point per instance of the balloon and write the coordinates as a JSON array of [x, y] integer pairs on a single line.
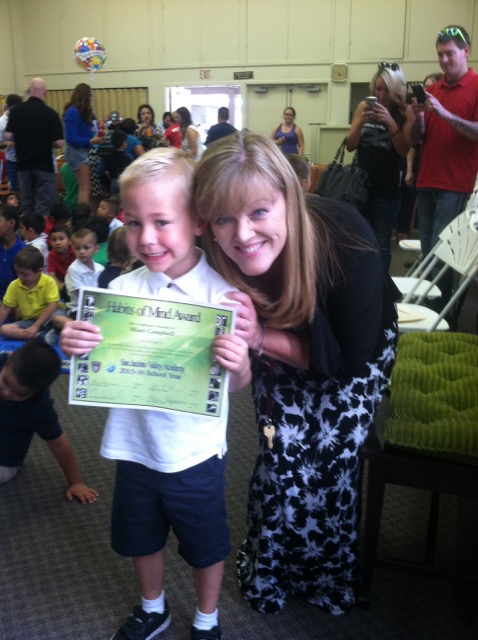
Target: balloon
[[90, 54]]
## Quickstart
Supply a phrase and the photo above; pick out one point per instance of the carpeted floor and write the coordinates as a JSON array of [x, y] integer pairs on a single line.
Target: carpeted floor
[[59, 579]]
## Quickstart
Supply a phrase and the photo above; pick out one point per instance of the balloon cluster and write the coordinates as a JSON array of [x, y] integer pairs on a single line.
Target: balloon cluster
[[89, 54]]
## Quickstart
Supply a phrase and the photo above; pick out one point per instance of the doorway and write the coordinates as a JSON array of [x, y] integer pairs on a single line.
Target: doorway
[[203, 103]]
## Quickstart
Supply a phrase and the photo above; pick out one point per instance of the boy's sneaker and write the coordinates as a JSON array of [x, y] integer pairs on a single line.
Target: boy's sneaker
[[50, 337], [140, 625], [210, 634]]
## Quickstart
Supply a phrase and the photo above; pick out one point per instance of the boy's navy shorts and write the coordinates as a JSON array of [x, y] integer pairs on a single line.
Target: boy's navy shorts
[[147, 503]]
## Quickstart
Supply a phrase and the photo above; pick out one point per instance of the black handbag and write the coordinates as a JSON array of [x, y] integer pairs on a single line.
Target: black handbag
[[348, 183]]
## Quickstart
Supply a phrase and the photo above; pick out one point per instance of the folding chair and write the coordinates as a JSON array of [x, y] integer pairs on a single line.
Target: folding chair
[[457, 249]]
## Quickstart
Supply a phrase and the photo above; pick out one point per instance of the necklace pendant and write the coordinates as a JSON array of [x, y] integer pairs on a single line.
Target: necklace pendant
[[269, 432]]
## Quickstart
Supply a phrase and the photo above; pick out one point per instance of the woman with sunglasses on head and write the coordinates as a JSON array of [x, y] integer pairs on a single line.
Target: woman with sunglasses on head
[[381, 133]]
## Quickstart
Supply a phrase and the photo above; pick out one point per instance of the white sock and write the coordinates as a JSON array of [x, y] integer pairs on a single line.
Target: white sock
[[156, 605], [205, 621]]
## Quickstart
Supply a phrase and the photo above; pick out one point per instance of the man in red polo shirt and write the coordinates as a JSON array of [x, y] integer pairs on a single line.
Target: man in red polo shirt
[[447, 124]]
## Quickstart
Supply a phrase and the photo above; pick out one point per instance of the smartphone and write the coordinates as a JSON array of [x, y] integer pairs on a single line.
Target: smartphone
[[419, 92], [371, 101]]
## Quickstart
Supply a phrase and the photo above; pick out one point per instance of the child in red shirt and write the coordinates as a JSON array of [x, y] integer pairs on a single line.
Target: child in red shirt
[[61, 255]]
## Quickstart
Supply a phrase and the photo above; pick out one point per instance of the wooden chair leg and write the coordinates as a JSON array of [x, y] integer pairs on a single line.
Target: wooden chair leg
[[375, 495]]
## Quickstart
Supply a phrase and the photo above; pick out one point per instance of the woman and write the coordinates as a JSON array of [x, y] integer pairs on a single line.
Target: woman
[[289, 136], [382, 135], [319, 318], [191, 140], [149, 133], [80, 137]]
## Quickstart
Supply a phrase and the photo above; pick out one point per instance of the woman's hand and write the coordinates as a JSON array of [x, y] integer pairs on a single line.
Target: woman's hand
[[382, 115], [78, 337], [368, 115], [248, 326]]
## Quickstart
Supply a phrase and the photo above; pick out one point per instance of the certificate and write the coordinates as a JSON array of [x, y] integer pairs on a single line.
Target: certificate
[[155, 354]]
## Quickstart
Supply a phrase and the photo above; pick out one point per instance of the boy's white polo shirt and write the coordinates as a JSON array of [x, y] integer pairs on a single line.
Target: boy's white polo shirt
[[159, 440]]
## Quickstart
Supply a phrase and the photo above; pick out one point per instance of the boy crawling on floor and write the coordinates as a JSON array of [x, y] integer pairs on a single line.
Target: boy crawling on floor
[[26, 408]]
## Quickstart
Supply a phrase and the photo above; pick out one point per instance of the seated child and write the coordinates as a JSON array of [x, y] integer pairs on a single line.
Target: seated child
[[80, 215], [171, 473], [120, 259], [32, 232], [60, 213], [301, 167], [115, 163], [10, 245], [83, 271], [12, 200], [101, 227], [109, 210], [35, 295], [26, 409], [61, 255]]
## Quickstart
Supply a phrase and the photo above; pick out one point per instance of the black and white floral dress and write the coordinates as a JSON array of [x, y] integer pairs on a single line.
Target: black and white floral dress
[[304, 495]]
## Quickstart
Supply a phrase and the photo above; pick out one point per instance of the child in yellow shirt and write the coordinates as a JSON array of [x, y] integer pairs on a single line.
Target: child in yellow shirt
[[35, 295]]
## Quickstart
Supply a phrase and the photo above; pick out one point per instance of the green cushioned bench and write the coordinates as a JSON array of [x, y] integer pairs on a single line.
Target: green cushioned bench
[[425, 436], [434, 396]]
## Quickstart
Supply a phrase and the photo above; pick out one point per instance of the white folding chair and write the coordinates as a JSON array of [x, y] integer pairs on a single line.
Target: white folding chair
[[457, 249], [414, 246]]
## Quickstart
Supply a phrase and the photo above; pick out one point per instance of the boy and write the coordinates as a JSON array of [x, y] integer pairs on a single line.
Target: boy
[[162, 470], [301, 167], [60, 213], [12, 200], [26, 408], [60, 256], [10, 245], [115, 163], [32, 232], [109, 210], [36, 297], [84, 270]]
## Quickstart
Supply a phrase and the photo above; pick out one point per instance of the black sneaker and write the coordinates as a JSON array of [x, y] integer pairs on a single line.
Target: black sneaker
[[140, 625], [210, 634]]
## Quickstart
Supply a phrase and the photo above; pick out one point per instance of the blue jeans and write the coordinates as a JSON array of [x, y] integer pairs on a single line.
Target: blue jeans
[[436, 209], [381, 214], [12, 175]]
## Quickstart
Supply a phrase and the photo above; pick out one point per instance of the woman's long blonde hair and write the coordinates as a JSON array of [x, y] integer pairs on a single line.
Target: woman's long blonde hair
[[229, 169], [397, 92]]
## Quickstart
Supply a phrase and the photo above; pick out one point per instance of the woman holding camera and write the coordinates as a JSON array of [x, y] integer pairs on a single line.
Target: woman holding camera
[[380, 131]]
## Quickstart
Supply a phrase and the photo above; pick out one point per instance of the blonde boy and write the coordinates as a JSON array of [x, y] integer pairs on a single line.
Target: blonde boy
[[174, 463]]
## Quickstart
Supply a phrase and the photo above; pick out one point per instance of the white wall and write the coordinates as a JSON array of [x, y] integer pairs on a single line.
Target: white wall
[[161, 43]]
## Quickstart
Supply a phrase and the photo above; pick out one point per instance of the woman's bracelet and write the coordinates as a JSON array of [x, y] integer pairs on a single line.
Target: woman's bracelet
[[260, 351]]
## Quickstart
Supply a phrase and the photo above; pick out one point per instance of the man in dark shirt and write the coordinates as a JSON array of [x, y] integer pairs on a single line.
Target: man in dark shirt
[[36, 130], [222, 128]]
